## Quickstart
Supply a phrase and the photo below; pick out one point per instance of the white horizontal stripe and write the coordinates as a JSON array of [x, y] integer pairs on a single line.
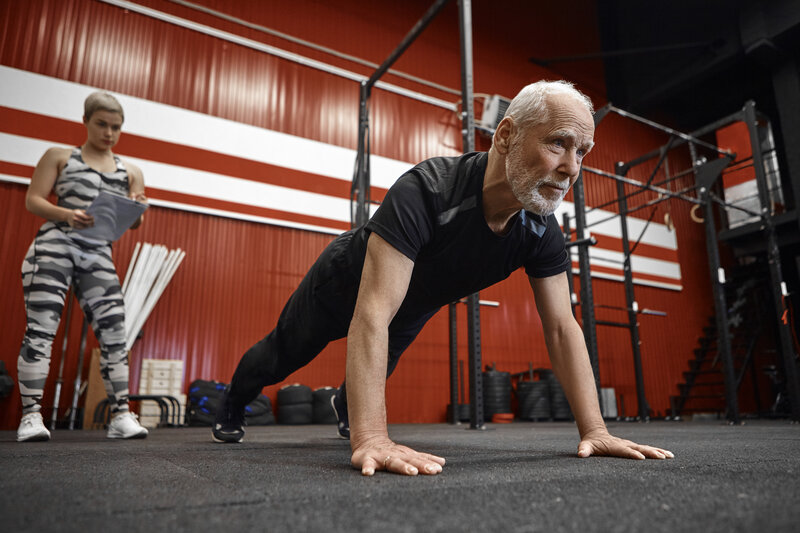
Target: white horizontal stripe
[[242, 191], [244, 216], [14, 179], [657, 234], [26, 151], [30, 92], [638, 281], [644, 265]]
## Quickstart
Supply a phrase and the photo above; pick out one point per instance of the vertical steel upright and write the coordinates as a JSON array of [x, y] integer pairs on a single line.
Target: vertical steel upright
[[777, 285], [359, 190], [587, 296], [633, 319], [468, 133], [718, 289], [567, 229], [453, 330]]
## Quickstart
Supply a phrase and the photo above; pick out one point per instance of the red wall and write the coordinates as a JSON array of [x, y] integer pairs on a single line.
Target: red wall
[[230, 289]]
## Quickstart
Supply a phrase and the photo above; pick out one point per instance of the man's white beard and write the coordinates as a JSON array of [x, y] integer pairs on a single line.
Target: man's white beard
[[525, 185]]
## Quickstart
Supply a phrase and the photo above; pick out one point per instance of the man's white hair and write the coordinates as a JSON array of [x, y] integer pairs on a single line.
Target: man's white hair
[[529, 107]]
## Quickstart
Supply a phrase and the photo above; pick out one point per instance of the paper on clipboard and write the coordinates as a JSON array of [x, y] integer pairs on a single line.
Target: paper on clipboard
[[113, 215]]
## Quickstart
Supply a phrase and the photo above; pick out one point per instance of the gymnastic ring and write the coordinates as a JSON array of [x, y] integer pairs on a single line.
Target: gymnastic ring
[[693, 214]]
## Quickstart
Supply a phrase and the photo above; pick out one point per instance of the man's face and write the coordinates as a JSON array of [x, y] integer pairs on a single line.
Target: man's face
[[544, 161]]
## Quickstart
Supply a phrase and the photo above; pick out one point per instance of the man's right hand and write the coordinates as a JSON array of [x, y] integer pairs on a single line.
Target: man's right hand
[[383, 454], [80, 219]]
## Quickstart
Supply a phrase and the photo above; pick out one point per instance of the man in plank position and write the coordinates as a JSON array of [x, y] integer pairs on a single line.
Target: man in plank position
[[447, 228]]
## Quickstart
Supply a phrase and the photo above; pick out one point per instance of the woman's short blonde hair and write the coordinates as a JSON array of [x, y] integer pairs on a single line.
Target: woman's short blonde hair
[[101, 101]]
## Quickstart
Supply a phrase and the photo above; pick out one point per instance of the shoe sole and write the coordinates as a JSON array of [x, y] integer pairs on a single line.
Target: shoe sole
[[336, 412], [35, 438], [137, 436], [226, 441]]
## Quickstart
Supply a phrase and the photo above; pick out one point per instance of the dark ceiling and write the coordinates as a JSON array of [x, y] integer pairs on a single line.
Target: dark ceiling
[[690, 62]]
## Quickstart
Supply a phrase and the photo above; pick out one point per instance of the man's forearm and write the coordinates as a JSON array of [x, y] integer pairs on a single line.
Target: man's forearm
[[572, 368], [367, 353]]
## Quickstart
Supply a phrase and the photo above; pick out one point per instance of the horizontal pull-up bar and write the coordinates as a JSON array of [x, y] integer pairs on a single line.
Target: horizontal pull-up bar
[[629, 181], [667, 181], [683, 136]]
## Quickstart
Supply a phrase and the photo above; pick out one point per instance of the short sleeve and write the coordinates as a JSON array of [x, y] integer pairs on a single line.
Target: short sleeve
[[550, 257], [404, 217]]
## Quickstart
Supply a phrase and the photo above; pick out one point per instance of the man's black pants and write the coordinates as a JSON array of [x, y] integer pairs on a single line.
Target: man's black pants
[[318, 312]]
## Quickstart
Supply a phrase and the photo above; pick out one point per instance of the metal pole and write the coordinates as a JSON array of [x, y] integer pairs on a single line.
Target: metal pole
[[76, 391], [585, 272], [454, 415], [359, 207], [360, 189], [720, 305], [406, 42], [468, 134], [565, 227], [60, 379], [633, 320], [683, 136], [777, 285]]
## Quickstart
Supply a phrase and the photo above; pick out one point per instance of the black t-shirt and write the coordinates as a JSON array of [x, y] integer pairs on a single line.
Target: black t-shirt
[[433, 215]]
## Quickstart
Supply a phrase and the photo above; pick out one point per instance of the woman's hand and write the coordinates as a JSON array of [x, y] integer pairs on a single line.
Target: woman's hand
[[139, 197], [79, 219]]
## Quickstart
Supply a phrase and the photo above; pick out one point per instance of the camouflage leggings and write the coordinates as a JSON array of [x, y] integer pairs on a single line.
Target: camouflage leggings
[[53, 261]]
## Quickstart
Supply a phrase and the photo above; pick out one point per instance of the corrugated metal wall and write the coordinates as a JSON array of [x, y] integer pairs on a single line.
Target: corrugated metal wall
[[237, 274]]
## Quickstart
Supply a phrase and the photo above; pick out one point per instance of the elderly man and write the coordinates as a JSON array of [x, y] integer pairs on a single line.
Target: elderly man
[[447, 228]]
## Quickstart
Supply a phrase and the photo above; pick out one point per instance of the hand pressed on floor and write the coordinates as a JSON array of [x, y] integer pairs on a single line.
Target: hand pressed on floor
[[606, 444], [383, 454]]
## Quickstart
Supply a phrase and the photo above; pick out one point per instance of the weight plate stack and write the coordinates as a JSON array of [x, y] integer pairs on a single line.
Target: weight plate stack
[[496, 393], [533, 399], [559, 406], [295, 405], [462, 413]]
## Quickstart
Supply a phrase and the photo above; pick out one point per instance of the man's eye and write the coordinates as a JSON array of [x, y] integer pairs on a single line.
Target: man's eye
[[559, 143]]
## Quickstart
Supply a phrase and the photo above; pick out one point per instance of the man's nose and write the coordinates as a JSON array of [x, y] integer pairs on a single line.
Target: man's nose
[[569, 164]]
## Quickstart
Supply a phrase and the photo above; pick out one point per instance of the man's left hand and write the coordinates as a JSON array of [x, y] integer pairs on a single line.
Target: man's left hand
[[605, 444]]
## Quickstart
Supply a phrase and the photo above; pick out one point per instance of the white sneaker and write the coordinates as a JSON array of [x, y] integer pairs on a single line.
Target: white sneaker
[[125, 426], [31, 428]]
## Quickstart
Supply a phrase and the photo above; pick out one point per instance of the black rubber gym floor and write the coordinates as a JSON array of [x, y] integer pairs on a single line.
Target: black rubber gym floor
[[511, 477]]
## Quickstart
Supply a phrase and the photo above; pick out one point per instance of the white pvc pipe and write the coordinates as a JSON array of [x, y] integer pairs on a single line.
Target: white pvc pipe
[[167, 270], [130, 267]]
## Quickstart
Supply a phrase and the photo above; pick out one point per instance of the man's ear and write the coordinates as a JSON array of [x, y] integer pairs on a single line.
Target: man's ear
[[502, 135]]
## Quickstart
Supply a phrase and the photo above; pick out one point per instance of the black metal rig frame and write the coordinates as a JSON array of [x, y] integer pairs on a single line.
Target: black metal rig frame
[[706, 174], [360, 200]]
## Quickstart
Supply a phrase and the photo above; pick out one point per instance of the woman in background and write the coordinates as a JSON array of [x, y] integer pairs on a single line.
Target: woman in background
[[60, 255]]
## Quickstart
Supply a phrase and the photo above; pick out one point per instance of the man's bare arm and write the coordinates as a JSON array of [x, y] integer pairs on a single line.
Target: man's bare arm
[[571, 365], [384, 281]]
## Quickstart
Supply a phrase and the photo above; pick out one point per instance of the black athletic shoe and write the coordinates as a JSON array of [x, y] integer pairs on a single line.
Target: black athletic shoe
[[340, 408], [228, 425]]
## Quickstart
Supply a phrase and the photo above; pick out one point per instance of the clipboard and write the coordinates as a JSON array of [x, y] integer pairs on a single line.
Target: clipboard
[[113, 215]]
